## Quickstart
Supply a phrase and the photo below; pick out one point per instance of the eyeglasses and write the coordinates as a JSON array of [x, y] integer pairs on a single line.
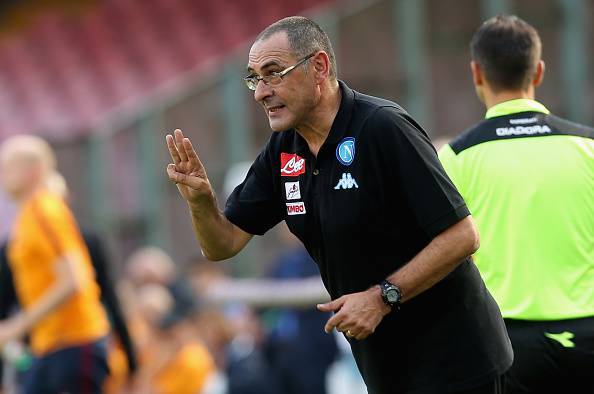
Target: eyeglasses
[[274, 78]]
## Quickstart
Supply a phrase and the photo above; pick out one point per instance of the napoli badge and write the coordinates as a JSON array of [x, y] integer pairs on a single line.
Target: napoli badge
[[345, 151]]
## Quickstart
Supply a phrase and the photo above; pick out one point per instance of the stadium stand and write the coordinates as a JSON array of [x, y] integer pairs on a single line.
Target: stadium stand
[[63, 72]]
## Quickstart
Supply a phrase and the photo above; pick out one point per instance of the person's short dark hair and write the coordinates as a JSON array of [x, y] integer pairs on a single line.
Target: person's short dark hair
[[305, 37], [508, 50]]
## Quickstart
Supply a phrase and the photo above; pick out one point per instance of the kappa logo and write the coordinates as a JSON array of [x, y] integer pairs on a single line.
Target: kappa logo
[[292, 190], [345, 151], [292, 164], [346, 182], [295, 208]]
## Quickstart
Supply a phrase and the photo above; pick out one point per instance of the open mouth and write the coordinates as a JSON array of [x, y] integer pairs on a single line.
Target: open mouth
[[276, 108]]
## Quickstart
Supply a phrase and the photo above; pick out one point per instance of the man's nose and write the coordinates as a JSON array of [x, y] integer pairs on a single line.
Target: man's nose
[[262, 91]]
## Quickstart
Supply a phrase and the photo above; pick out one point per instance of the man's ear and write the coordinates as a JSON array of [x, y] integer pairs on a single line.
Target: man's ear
[[539, 74], [479, 81], [477, 74], [321, 64]]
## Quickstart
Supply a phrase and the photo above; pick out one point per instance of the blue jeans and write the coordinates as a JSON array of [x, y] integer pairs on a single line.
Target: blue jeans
[[74, 370]]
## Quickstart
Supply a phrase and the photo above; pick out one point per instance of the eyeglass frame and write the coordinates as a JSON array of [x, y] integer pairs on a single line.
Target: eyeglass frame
[[252, 80]]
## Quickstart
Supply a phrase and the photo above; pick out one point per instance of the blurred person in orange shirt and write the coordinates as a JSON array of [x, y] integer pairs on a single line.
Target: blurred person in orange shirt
[[173, 360], [53, 278], [121, 349], [160, 308], [120, 344]]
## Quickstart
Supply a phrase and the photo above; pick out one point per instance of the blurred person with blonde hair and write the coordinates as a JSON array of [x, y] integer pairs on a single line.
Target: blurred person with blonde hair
[[53, 277], [121, 349]]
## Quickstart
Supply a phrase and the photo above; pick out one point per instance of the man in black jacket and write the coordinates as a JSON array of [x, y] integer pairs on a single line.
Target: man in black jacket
[[357, 180]]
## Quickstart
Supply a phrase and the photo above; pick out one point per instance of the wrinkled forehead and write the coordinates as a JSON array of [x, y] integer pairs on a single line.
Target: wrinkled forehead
[[270, 51]]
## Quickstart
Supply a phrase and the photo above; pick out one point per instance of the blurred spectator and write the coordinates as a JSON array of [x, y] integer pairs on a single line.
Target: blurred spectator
[[216, 331], [173, 359], [110, 299], [236, 333], [53, 277], [152, 265], [120, 342], [300, 350], [296, 338], [57, 184], [249, 371]]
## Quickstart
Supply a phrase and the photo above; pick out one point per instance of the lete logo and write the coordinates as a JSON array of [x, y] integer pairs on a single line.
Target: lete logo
[[291, 164]]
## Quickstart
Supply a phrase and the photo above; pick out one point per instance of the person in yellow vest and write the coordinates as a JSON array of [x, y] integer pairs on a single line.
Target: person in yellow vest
[[53, 277], [527, 175]]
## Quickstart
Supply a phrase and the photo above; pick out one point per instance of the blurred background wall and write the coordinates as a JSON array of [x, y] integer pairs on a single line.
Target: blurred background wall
[[104, 81]]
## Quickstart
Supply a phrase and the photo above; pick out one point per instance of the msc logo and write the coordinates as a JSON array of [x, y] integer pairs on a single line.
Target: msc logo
[[346, 182], [295, 208], [345, 151], [291, 164]]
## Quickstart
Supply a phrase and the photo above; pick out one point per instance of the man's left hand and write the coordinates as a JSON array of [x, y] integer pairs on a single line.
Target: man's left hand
[[356, 315]]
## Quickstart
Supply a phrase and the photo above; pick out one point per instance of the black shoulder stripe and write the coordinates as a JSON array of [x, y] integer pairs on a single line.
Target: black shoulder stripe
[[570, 128], [519, 125]]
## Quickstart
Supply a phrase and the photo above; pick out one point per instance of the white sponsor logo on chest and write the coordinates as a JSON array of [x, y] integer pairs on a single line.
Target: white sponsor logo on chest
[[292, 190], [346, 182]]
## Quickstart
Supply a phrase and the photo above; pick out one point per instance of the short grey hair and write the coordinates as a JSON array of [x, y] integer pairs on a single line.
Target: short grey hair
[[305, 37]]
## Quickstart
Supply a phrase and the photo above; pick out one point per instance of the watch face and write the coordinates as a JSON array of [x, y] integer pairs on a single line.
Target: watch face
[[392, 296]]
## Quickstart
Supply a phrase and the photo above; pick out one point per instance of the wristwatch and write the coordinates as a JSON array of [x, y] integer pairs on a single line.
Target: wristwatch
[[391, 294]]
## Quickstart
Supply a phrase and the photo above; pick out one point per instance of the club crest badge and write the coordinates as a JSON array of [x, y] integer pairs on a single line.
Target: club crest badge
[[345, 151]]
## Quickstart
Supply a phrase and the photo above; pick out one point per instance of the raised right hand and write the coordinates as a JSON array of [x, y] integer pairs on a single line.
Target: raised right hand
[[187, 170]]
